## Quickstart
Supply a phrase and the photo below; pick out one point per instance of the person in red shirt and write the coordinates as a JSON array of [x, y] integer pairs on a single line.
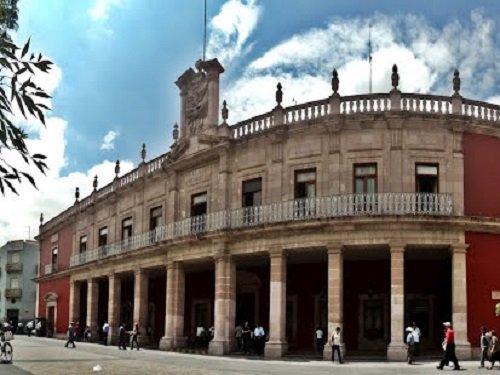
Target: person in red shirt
[[449, 348]]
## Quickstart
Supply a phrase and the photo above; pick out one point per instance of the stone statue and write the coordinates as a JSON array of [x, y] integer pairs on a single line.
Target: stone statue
[[279, 95], [335, 81], [456, 82], [224, 112], [395, 77], [197, 100]]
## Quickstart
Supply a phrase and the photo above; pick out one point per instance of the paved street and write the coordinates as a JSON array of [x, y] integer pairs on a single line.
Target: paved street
[[48, 356]]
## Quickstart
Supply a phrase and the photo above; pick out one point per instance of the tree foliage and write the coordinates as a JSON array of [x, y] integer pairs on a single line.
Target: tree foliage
[[497, 308], [18, 92]]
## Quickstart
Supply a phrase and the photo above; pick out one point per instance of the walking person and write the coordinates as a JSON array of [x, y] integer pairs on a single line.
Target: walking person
[[484, 341], [449, 348], [246, 336], [105, 333], [71, 336], [87, 334], [336, 345], [416, 339], [122, 337], [238, 333], [259, 336], [319, 340], [29, 327], [134, 337], [410, 343], [493, 350]]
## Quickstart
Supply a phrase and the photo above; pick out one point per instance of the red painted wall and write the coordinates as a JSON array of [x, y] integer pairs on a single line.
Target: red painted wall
[[482, 175], [61, 287], [483, 276], [64, 245]]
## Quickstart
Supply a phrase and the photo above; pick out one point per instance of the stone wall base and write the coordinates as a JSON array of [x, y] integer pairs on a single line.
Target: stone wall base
[[170, 343], [463, 351], [219, 347], [397, 352], [275, 349]]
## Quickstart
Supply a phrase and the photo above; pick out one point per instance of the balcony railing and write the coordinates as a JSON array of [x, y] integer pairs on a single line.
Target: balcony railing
[[13, 293], [50, 268], [14, 267], [281, 212]]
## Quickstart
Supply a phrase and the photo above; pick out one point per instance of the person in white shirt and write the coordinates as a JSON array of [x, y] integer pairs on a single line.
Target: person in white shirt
[[319, 340], [259, 339], [105, 333], [416, 339], [336, 345]]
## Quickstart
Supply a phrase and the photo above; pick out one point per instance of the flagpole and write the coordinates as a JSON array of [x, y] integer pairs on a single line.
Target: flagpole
[[204, 29]]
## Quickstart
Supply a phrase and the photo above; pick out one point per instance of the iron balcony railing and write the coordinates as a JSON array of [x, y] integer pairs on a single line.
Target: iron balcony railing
[[50, 268], [14, 267], [281, 212], [13, 293]]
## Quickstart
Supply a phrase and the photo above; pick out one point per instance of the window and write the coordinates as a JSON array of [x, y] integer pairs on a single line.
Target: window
[[102, 239], [14, 258], [198, 212], [155, 215], [305, 183], [426, 178], [251, 197], [365, 178], [54, 256], [252, 192], [127, 228], [14, 283], [83, 244]]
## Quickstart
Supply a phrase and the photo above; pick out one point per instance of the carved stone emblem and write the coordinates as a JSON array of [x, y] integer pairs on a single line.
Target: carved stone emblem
[[197, 102]]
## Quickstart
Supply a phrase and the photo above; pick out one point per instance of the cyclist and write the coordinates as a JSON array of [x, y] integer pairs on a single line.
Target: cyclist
[[5, 346]]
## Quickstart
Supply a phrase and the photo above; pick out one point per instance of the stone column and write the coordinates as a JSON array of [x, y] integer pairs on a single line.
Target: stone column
[[225, 305], [141, 282], [114, 303], [174, 318], [92, 306], [335, 297], [74, 301], [277, 345], [459, 298], [396, 351]]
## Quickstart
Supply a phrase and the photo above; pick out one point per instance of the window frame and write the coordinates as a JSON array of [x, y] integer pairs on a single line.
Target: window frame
[[426, 164], [296, 183], [364, 177], [244, 194]]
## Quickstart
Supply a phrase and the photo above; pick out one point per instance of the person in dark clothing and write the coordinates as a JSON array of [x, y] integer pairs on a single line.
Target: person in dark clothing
[[71, 336], [134, 337], [122, 337], [449, 348], [246, 335], [484, 342]]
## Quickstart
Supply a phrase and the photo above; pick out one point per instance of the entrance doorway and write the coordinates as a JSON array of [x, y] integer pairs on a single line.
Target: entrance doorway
[[13, 317], [50, 321]]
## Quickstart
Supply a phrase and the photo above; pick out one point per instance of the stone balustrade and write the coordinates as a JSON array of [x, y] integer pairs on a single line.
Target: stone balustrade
[[281, 212]]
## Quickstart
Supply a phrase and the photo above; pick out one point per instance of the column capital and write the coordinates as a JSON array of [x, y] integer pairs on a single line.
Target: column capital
[[334, 248], [276, 252], [140, 271], [459, 248], [397, 247]]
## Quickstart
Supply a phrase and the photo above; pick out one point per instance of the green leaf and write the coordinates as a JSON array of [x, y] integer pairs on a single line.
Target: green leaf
[[26, 48], [30, 179]]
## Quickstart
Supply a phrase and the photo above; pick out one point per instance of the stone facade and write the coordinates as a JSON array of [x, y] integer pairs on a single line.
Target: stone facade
[[181, 214]]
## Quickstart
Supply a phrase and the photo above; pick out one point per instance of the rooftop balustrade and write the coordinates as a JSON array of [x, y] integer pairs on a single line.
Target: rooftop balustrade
[[281, 212]]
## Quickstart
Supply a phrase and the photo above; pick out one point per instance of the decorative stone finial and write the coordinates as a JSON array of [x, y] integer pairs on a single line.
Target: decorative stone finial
[[335, 81], [175, 132], [395, 77], [95, 183], [279, 95], [77, 194], [143, 152], [456, 82], [41, 218], [225, 112], [117, 168]]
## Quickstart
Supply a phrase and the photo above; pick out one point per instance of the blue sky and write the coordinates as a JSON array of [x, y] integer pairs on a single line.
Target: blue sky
[[117, 61]]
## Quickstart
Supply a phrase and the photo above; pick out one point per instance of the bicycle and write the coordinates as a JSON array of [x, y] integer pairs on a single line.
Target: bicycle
[[6, 347]]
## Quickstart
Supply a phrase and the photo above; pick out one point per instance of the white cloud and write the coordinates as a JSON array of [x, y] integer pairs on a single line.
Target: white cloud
[[101, 8], [426, 57], [231, 28], [108, 142], [55, 191]]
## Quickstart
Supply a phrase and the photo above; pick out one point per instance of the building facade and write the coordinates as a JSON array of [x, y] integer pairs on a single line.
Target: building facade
[[364, 212], [18, 270]]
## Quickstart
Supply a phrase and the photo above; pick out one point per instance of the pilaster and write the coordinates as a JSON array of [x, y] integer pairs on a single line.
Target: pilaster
[[92, 305], [74, 301], [396, 351], [335, 296], [277, 344], [141, 283], [225, 305], [459, 298], [114, 297]]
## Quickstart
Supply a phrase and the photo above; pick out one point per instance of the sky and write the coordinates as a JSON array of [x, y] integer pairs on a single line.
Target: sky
[[116, 62]]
